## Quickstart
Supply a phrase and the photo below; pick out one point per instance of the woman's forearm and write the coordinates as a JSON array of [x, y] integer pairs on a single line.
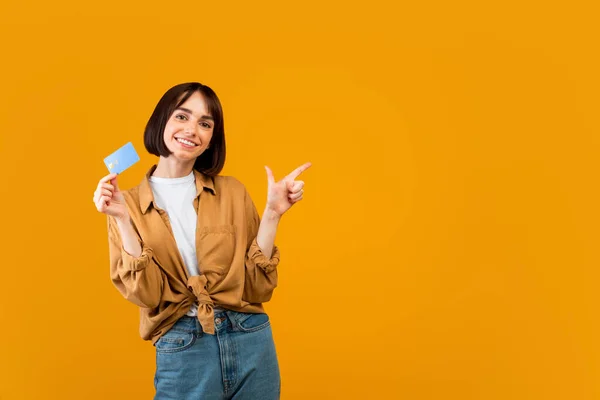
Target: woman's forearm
[[129, 238], [266, 232]]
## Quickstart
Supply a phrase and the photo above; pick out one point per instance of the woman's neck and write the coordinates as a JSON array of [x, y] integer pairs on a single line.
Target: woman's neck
[[170, 168]]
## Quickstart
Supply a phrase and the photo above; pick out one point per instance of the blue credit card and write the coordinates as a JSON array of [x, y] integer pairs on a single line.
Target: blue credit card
[[122, 159]]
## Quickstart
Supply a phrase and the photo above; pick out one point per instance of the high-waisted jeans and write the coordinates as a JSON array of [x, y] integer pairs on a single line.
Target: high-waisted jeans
[[239, 362]]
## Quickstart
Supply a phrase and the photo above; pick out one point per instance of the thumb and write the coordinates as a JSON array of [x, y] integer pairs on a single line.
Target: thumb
[[270, 177], [114, 182]]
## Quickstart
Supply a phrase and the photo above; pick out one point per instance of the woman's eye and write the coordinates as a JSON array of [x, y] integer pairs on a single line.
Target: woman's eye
[[205, 125], [181, 116]]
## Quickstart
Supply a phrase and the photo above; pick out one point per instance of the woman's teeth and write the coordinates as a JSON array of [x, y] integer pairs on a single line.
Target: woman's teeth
[[187, 142]]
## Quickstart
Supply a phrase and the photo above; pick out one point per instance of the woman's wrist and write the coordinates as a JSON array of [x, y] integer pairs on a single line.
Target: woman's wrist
[[123, 221], [271, 215]]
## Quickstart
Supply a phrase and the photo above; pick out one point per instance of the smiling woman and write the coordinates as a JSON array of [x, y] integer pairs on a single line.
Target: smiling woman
[[188, 247], [193, 115]]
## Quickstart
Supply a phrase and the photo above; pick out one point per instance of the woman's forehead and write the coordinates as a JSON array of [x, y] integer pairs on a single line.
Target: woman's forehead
[[196, 104]]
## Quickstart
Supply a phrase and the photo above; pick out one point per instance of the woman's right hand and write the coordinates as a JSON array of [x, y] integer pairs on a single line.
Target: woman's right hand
[[109, 199]]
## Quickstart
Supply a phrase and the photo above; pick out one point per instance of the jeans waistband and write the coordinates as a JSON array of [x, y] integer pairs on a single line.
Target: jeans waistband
[[191, 324]]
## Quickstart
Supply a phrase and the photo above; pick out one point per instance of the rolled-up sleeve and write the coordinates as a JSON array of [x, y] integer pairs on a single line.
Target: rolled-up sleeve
[[138, 279], [257, 257], [261, 272]]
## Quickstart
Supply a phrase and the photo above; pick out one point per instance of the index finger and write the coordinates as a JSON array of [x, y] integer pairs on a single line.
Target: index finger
[[108, 178], [295, 173]]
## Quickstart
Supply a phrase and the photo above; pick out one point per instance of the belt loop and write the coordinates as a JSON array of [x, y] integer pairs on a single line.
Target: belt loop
[[198, 327]]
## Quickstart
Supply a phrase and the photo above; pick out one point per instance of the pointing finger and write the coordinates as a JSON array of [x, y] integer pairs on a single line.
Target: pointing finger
[[295, 173]]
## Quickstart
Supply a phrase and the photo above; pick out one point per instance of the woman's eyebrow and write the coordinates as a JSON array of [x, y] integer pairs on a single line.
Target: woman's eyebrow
[[191, 113]]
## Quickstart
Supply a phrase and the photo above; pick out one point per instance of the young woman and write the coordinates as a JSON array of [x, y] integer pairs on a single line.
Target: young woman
[[189, 248]]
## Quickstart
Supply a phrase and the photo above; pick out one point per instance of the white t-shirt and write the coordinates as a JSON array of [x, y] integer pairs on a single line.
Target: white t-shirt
[[176, 197]]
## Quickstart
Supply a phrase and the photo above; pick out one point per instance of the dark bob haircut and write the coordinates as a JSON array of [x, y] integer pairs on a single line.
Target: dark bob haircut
[[212, 160]]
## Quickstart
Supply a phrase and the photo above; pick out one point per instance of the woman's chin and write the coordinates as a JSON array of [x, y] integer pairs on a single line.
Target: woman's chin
[[183, 157]]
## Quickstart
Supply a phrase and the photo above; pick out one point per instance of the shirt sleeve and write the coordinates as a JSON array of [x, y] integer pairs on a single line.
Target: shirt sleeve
[[138, 279], [261, 272]]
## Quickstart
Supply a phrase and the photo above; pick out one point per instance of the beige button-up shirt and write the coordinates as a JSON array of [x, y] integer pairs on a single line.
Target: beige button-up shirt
[[234, 273]]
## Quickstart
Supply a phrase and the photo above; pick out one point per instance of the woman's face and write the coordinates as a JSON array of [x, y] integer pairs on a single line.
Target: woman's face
[[189, 129]]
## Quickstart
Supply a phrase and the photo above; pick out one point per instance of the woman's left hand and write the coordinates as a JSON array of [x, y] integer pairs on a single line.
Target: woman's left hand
[[284, 194]]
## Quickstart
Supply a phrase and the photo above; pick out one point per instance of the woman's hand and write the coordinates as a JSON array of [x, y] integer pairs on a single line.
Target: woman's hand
[[109, 200], [285, 193]]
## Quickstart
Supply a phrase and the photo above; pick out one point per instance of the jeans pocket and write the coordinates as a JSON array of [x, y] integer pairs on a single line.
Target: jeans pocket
[[174, 341], [253, 322]]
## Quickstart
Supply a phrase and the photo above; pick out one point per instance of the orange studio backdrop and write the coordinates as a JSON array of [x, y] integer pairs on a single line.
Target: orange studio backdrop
[[447, 243]]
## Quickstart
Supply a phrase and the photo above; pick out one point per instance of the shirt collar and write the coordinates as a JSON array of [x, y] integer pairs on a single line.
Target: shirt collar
[[146, 197]]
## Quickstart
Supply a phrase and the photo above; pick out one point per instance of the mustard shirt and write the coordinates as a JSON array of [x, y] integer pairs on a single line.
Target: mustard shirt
[[234, 273]]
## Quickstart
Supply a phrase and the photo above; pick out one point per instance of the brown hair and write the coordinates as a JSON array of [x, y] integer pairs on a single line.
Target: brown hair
[[211, 161]]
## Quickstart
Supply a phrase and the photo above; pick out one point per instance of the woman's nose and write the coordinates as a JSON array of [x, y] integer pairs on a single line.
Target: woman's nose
[[190, 129]]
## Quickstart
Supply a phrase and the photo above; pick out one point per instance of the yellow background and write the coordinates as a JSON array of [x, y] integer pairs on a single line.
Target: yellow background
[[447, 246]]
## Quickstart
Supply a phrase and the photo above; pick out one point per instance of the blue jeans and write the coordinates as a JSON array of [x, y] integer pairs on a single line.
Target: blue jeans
[[239, 362]]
